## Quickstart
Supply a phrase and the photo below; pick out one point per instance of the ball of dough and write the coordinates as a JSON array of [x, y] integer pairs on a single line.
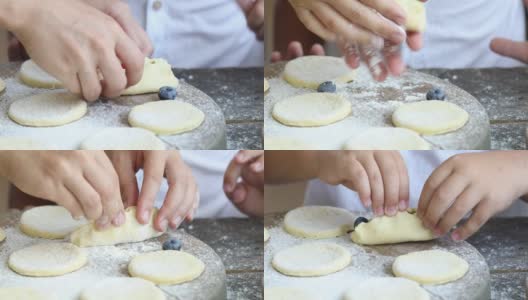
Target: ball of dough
[[49, 222], [266, 85], [123, 138], [2, 235], [2, 85], [430, 266], [166, 117], [266, 235], [286, 293], [311, 71], [32, 75], [284, 143], [416, 16], [387, 138], [166, 267], [47, 259], [123, 288], [430, 117], [157, 73], [315, 109], [311, 259], [386, 288], [318, 222], [23, 143], [49, 109], [24, 293]]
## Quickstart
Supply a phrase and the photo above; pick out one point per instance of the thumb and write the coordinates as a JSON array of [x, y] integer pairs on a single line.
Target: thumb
[[509, 48]]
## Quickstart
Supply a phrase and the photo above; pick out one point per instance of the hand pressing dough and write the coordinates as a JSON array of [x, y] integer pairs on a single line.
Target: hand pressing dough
[[386, 288], [157, 73], [166, 117], [32, 75], [284, 143], [123, 138], [266, 235], [123, 288], [286, 293], [430, 266], [49, 222], [2, 235], [430, 117], [266, 86], [416, 16], [131, 231], [315, 109], [23, 143], [311, 71], [387, 138], [2, 85], [311, 259], [318, 222], [50, 109], [166, 267], [24, 293], [47, 259], [403, 227]]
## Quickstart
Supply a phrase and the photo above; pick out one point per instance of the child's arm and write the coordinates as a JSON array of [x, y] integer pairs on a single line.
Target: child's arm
[[481, 183]]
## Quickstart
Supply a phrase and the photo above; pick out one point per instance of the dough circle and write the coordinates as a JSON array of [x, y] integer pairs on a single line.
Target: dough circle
[[123, 138], [311, 71], [430, 266], [32, 75], [314, 109], [166, 117], [123, 288], [311, 259], [24, 293], [157, 73], [286, 293], [386, 288], [266, 235], [2, 85], [2, 235], [166, 267], [430, 117], [285, 143], [266, 86], [49, 222], [23, 143], [387, 138], [47, 259], [49, 109], [318, 222]]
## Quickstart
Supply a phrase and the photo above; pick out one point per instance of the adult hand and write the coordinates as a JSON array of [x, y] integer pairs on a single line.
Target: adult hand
[[295, 49], [182, 198], [84, 182], [254, 11]]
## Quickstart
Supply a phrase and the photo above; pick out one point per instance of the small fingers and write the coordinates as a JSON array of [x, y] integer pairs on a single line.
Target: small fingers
[[479, 217], [376, 184], [391, 181], [462, 206]]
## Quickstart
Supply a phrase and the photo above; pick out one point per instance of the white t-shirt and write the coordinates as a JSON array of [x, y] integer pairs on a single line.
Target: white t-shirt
[[420, 165], [208, 168], [199, 34], [459, 33]]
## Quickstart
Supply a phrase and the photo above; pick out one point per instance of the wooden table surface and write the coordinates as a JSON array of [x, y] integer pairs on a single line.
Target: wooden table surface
[[504, 95]]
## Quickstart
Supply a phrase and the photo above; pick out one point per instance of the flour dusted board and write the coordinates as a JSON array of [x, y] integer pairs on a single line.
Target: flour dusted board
[[102, 114], [372, 106]]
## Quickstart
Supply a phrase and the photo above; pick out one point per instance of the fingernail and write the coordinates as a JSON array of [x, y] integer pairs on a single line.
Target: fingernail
[[391, 211], [119, 219], [378, 211], [402, 205], [455, 236], [163, 224], [398, 36], [103, 222], [145, 215], [176, 222], [368, 203]]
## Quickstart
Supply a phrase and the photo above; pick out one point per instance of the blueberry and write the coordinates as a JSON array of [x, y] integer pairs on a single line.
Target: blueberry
[[436, 94], [360, 220], [172, 244], [327, 87], [167, 93]]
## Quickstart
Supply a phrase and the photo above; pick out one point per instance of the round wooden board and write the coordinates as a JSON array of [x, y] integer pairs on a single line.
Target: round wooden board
[[211, 134], [112, 261], [372, 106]]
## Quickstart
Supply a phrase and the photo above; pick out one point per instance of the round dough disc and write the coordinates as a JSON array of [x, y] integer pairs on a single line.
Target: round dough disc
[[2, 85], [2, 235], [387, 138], [430, 117], [318, 222], [47, 259], [286, 293], [49, 222], [123, 288], [123, 138], [266, 235], [49, 109], [311, 71], [386, 288], [311, 259], [23, 143], [23, 293], [314, 109], [284, 143], [166, 267], [266, 85], [430, 266], [31, 74], [166, 117]]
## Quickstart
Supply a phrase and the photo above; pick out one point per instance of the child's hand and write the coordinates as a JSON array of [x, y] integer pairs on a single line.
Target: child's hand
[[84, 182], [379, 177], [254, 11], [246, 193], [182, 198], [481, 183]]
